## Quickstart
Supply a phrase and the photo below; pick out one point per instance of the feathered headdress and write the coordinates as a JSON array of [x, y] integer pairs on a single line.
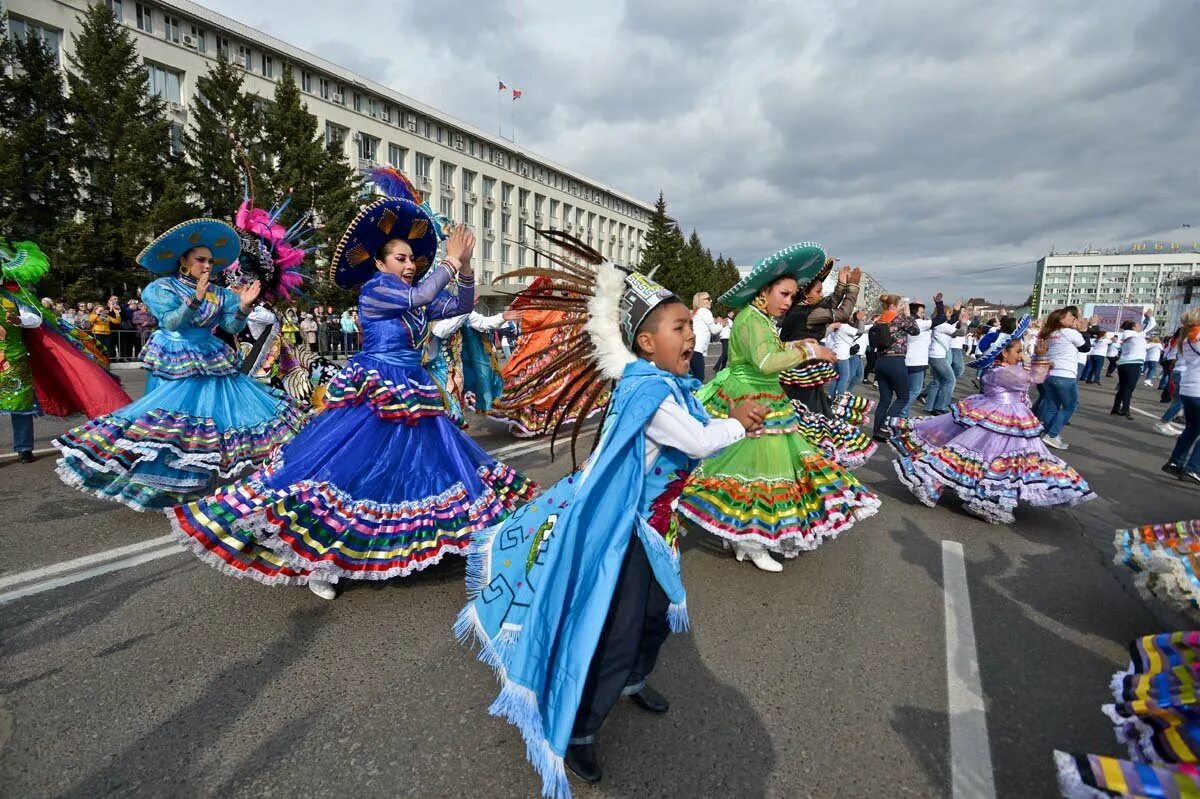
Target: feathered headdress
[[23, 262], [602, 306], [270, 253]]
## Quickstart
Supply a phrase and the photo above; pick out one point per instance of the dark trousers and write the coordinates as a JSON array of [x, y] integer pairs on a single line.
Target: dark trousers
[[1186, 454], [633, 633], [1091, 371], [697, 369], [1127, 378], [1112, 366], [723, 361], [892, 376]]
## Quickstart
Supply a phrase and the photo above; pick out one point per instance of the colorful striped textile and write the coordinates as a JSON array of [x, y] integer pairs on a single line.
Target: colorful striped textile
[[174, 359], [1100, 777], [355, 385], [843, 443], [1020, 423], [1156, 711], [1166, 560], [808, 375]]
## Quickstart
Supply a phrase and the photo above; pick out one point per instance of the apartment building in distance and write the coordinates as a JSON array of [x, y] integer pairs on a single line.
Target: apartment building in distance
[[1142, 274], [470, 176]]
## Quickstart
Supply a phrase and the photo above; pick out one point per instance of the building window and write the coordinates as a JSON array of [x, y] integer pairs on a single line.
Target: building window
[[368, 147], [222, 48], [176, 141], [488, 254], [306, 81], [504, 222], [165, 83], [489, 186], [245, 58], [553, 209], [487, 218], [539, 202], [424, 165], [447, 175], [117, 10], [268, 65], [397, 156], [358, 102], [442, 135], [468, 180], [447, 207], [339, 94], [523, 197], [428, 129], [387, 113], [466, 213], [505, 251], [335, 136], [171, 29], [145, 18], [20, 28], [505, 193], [474, 148], [199, 40], [323, 86]]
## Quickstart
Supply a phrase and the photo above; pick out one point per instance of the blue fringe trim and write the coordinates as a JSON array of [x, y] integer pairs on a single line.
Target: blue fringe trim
[[478, 571], [677, 617]]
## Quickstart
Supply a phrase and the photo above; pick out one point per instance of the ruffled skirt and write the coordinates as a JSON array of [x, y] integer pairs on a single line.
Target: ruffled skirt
[[1166, 560], [989, 454], [378, 485], [177, 441], [831, 424], [774, 488]]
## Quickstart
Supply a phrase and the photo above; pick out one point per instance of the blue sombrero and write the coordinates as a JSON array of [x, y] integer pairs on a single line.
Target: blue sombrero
[[803, 261], [353, 261], [999, 343], [162, 255]]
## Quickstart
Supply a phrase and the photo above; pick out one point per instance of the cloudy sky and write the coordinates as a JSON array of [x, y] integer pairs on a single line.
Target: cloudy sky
[[929, 141]]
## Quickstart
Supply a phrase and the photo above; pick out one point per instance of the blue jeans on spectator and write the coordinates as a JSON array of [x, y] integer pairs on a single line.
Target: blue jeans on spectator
[[1091, 372], [1185, 446], [1060, 398], [1150, 370], [916, 380], [22, 425], [941, 385], [958, 362], [845, 371], [1176, 403], [348, 340], [892, 376], [1166, 377], [856, 373]]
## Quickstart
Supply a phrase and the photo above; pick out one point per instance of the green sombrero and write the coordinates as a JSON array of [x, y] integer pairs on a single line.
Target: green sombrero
[[162, 255], [804, 261]]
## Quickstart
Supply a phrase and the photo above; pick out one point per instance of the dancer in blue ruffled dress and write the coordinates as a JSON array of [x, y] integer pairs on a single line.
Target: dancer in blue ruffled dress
[[381, 483], [200, 419]]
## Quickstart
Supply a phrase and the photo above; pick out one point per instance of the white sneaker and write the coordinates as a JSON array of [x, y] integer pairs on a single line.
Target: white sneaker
[[322, 588], [759, 557], [1148, 383], [1166, 429], [1056, 442]]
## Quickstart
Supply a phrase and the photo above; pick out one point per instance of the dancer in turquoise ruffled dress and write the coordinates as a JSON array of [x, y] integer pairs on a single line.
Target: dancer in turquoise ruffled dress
[[200, 419]]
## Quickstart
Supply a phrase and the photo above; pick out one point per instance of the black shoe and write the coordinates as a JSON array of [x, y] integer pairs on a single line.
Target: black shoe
[[1171, 468], [651, 700], [581, 760], [1189, 477], [25, 457], [880, 437]]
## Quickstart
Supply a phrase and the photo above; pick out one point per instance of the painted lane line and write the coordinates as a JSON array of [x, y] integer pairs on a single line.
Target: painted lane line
[[87, 574], [86, 560], [37, 453], [971, 774]]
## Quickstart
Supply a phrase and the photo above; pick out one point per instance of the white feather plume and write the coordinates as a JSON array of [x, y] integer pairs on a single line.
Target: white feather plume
[[604, 322]]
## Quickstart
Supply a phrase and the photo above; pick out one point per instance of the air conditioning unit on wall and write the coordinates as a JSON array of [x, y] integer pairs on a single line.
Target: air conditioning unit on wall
[[189, 41]]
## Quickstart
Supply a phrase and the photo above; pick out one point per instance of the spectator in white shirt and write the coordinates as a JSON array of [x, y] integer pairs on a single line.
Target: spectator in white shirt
[[726, 329], [1131, 358], [1185, 458], [705, 327], [916, 356], [1060, 397], [1154, 351], [844, 339]]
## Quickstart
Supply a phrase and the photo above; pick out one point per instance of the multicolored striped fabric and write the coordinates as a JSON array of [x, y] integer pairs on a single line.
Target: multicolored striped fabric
[[1100, 777], [1156, 710], [841, 442], [851, 408], [355, 385], [1166, 560], [175, 359], [971, 414], [808, 375]]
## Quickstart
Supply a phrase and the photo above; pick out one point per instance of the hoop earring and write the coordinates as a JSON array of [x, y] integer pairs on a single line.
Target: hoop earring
[[760, 302]]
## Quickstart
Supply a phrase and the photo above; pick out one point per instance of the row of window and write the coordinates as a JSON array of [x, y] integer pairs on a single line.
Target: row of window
[[157, 22]]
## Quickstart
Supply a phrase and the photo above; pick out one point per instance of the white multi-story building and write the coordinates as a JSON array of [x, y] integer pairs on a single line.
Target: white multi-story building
[[1140, 275], [485, 181]]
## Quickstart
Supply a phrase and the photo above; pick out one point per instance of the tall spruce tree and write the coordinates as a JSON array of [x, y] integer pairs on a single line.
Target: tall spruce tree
[[319, 179], [224, 139], [725, 275], [660, 254], [38, 191], [133, 187]]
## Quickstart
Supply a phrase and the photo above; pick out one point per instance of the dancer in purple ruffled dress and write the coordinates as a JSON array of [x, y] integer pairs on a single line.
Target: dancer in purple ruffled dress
[[987, 449]]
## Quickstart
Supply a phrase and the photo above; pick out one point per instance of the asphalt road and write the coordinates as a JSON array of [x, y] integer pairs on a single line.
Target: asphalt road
[[828, 680]]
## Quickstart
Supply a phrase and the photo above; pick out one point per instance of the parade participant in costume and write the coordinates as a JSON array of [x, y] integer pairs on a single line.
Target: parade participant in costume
[[381, 483], [461, 356], [1155, 715], [830, 423], [988, 450], [529, 403], [573, 596], [774, 491], [44, 367], [200, 419]]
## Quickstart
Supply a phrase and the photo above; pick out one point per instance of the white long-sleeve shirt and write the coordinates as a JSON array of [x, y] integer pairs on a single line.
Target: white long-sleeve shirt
[[1188, 366], [705, 327], [1154, 351], [841, 339], [917, 353], [673, 426], [941, 338], [1133, 344], [1064, 352], [29, 317], [445, 328]]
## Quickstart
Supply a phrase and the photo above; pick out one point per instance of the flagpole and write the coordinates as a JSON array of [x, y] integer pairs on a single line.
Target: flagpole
[[499, 128]]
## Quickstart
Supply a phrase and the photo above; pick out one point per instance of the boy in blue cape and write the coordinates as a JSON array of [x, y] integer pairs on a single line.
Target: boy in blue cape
[[572, 597]]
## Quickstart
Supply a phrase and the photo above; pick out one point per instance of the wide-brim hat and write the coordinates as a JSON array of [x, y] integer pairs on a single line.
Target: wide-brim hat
[[353, 261], [804, 262], [998, 345], [162, 255]]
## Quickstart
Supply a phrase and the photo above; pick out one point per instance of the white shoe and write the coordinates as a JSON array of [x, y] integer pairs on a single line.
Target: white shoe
[[1166, 428], [1056, 442], [322, 588], [1148, 384], [759, 557]]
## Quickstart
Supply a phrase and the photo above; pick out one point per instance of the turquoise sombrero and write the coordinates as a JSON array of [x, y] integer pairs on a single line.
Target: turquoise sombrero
[[162, 255], [803, 261], [353, 261], [999, 343]]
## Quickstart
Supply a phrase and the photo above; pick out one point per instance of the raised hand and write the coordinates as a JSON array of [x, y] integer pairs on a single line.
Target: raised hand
[[1042, 346], [201, 286], [248, 293], [461, 245]]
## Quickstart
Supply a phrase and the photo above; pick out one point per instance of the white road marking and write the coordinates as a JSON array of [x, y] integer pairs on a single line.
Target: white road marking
[[37, 453], [87, 574], [83, 562], [1155, 416], [971, 774]]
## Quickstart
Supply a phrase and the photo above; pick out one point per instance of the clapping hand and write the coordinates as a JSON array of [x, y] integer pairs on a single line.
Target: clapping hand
[[247, 294], [202, 286], [1042, 346], [461, 245]]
